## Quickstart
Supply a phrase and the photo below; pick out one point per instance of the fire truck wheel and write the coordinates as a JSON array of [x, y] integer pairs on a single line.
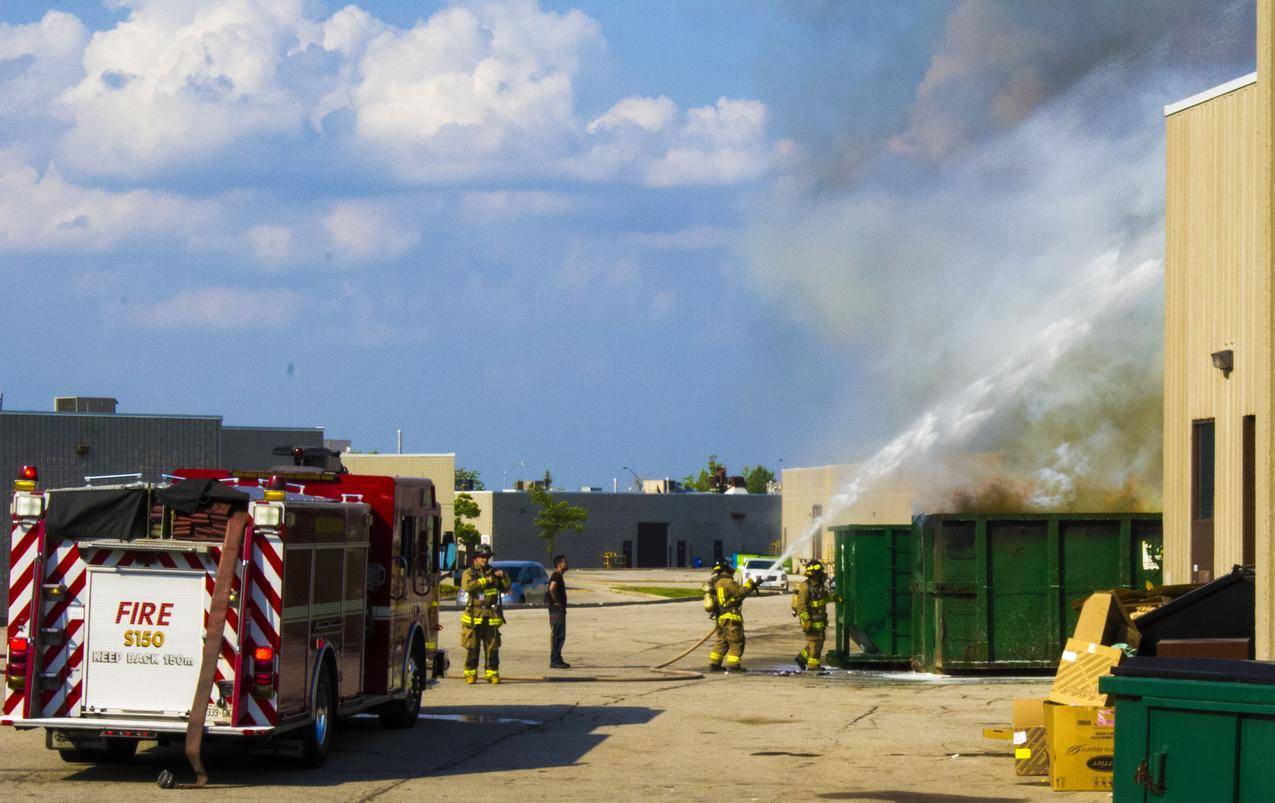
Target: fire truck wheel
[[318, 735], [402, 714]]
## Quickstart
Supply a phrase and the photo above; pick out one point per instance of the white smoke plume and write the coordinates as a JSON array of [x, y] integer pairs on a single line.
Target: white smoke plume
[[1020, 187]]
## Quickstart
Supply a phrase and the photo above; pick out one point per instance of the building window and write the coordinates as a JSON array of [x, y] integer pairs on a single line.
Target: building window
[[1202, 465]]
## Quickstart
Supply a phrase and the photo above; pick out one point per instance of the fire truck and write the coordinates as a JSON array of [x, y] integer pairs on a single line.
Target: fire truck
[[303, 594]]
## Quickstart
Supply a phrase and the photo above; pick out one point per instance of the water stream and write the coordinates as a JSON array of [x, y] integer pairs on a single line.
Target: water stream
[[950, 422]]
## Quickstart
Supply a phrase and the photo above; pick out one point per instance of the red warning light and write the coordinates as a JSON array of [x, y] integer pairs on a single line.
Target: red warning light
[[29, 473]]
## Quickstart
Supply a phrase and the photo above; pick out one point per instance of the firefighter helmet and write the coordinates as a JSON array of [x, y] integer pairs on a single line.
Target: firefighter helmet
[[483, 551], [723, 567], [814, 567]]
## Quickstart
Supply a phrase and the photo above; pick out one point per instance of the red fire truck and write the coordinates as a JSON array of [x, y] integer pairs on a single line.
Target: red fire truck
[[326, 608]]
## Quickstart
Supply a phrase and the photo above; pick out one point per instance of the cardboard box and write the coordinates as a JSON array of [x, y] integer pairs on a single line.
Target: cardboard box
[[1103, 620], [1081, 741], [1030, 754], [1081, 665]]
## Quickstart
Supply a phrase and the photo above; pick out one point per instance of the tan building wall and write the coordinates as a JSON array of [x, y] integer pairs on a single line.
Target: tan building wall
[[1218, 263], [808, 494], [440, 468]]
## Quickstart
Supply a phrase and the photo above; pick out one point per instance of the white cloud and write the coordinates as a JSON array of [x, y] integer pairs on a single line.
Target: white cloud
[[692, 238], [470, 91], [482, 90], [38, 60], [220, 308], [720, 144], [366, 231], [48, 213], [271, 245], [179, 82], [651, 114], [510, 204]]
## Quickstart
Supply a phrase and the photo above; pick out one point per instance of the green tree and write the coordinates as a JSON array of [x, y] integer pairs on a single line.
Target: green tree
[[756, 478], [467, 480], [555, 517], [703, 482], [465, 509], [548, 480]]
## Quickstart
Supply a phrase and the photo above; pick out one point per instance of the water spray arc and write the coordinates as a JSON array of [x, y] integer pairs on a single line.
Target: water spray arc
[[955, 420]]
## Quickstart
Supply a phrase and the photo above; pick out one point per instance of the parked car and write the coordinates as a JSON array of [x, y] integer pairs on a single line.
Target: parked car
[[760, 568], [530, 582]]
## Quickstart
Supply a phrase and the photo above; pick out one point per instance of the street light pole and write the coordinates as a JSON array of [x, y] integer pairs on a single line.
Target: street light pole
[[636, 479]]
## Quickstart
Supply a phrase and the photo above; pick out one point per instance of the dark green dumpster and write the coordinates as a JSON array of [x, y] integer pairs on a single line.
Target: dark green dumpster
[[874, 578], [1193, 730], [995, 592]]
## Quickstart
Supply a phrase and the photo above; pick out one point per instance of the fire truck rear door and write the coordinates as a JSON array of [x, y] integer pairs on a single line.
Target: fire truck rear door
[[145, 629]]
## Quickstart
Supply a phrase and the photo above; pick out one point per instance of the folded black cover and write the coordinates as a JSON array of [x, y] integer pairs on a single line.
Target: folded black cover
[[188, 496], [115, 513]]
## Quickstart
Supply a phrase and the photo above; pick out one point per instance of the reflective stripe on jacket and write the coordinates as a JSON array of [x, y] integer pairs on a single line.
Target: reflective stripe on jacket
[[484, 590], [730, 598]]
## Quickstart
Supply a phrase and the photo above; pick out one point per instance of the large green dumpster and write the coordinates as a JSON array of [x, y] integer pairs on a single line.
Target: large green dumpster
[[873, 575], [1181, 739], [995, 592]]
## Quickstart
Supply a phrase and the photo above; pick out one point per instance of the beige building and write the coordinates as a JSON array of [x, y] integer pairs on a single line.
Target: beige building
[[1218, 331], [808, 494], [441, 468]]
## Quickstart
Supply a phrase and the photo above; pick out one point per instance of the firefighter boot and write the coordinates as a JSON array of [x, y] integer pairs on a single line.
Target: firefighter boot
[[801, 661], [493, 677], [471, 676]]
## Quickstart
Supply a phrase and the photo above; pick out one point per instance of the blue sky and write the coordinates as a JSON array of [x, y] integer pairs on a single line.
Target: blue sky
[[577, 235]]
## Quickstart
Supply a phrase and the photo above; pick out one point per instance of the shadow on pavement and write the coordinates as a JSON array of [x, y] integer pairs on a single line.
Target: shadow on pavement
[[448, 740], [918, 797]]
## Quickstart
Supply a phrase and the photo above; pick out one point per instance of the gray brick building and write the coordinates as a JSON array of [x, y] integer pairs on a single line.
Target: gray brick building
[[653, 530], [68, 446]]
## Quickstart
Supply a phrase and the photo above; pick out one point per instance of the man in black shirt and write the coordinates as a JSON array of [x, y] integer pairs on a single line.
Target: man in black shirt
[[556, 599]]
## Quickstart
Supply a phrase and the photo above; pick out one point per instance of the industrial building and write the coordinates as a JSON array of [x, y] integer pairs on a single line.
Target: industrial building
[[85, 436], [1219, 336], [647, 530], [808, 495]]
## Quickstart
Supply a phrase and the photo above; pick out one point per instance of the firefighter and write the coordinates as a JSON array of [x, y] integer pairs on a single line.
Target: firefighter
[[725, 598], [481, 620], [810, 606]]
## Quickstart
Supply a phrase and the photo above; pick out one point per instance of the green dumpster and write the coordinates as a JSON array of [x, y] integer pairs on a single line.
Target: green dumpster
[[1194, 737], [873, 575], [995, 592]]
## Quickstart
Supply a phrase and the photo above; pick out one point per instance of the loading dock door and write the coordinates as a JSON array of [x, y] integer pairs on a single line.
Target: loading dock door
[[681, 554], [652, 546]]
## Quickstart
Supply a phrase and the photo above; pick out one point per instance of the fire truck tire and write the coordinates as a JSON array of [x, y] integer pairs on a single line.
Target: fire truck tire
[[402, 714], [318, 734]]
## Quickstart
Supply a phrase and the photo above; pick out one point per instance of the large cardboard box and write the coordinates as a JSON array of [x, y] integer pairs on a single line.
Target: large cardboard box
[[1030, 754], [1081, 665], [1081, 741], [1103, 620]]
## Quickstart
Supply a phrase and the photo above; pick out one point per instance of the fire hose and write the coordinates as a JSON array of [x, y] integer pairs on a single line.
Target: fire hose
[[213, 635], [661, 671]]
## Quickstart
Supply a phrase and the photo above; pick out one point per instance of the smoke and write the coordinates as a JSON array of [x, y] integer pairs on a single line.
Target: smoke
[[1019, 178]]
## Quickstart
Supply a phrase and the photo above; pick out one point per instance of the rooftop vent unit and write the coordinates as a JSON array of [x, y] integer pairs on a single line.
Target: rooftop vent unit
[[84, 404]]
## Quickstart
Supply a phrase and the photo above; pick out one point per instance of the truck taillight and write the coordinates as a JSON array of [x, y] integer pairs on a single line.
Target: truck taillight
[[27, 478], [263, 672], [15, 671]]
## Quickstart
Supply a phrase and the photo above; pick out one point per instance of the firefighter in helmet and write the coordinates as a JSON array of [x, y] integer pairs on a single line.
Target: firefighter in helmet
[[810, 606], [481, 620], [724, 598]]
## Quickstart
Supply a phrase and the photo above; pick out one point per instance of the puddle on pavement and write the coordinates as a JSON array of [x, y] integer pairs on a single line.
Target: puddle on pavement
[[867, 677]]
